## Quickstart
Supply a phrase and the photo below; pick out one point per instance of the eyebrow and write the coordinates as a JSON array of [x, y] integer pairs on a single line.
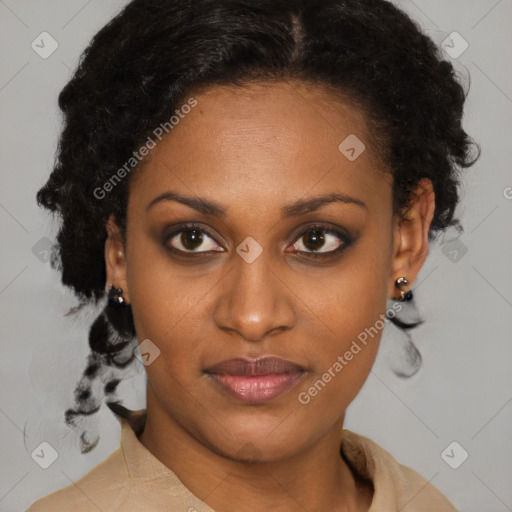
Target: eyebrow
[[299, 207]]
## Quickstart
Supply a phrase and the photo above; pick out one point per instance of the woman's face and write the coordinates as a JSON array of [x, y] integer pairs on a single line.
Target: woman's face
[[267, 269]]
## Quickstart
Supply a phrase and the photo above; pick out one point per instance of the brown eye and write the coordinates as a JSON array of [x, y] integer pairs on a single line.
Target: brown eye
[[321, 240], [190, 239], [313, 240]]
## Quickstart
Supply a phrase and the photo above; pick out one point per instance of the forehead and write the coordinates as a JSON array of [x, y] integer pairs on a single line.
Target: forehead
[[263, 143]]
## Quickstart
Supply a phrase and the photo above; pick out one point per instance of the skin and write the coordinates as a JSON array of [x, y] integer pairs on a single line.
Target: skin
[[255, 150]]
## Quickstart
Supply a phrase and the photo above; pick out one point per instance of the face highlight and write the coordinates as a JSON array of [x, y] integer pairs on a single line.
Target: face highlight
[[250, 234]]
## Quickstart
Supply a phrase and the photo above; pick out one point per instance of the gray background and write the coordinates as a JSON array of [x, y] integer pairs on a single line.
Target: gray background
[[463, 393]]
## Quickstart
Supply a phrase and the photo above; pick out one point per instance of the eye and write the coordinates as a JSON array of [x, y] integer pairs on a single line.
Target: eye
[[320, 241], [313, 242], [191, 239]]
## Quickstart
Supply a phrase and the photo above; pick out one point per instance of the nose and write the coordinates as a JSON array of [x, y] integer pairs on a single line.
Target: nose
[[254, 301]]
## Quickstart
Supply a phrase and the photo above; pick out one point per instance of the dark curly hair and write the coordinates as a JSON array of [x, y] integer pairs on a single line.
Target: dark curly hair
[[141, 66]]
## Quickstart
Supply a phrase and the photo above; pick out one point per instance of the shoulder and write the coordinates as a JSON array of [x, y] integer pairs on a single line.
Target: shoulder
[[419, 494], [96, 490], [395, 485]]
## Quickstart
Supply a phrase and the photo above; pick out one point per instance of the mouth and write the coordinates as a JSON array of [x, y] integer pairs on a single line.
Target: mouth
[[255, 381]]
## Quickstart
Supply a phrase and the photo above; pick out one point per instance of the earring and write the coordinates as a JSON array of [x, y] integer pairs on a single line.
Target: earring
[[405, 296], [115, 297]]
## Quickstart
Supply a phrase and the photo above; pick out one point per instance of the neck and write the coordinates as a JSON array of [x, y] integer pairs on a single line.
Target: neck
[[316, 478]]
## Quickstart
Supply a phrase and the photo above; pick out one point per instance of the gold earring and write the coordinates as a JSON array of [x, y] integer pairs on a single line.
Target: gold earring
[[405, 296]]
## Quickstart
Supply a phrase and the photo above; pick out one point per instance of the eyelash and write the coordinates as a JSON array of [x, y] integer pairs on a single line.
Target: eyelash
[[326, 230]]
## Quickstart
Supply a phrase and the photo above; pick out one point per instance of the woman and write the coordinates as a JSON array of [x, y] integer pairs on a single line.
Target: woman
[[252, 182]]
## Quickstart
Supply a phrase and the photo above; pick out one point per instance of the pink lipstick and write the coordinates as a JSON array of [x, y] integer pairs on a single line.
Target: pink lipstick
[[255, 381]]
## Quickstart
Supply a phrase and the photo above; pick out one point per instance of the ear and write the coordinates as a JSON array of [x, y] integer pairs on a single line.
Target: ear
[[411, 236], [115, 262]]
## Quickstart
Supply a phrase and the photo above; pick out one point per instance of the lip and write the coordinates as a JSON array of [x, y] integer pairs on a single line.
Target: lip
[[255, 380]]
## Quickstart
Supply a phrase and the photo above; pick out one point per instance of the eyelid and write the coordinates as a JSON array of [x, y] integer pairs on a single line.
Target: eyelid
[[326, 228]]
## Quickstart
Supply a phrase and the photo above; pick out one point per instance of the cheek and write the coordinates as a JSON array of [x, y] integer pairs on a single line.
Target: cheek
[[350, 308], [171, 306], [166, 311], [160, 292]]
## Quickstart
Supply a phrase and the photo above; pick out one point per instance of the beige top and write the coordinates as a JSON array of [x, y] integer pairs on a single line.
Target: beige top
[[132, 479]]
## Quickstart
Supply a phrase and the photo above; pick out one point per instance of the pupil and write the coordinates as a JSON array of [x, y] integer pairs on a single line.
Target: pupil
[[314, 240], [191, 239]]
